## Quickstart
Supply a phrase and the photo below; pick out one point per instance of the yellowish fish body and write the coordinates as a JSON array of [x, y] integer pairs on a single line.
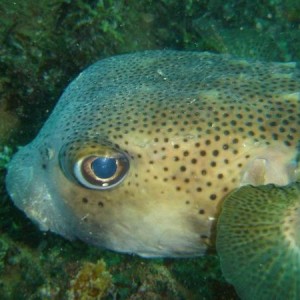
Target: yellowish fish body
[[180, 129]]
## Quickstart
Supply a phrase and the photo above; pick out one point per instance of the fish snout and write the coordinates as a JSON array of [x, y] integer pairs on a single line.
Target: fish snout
[[28, 183], [20, 178]]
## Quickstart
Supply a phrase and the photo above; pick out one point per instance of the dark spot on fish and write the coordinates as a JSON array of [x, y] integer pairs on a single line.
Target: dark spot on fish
[[215, 153], [85, 200], [194, 161], [202, 152], [213, 197], [182, 168], [186, 153]]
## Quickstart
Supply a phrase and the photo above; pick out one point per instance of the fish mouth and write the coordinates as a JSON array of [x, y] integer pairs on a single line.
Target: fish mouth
[[25, 188], [19, 179], [31, 189]]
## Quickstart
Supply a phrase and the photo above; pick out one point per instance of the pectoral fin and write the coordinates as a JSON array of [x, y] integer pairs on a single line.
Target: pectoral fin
[[258, 241]]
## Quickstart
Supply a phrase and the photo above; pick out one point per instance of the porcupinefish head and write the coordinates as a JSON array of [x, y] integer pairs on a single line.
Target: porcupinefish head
[[141, 150]]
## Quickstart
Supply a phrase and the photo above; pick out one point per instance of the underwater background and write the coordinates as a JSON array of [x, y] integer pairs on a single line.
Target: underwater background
[[44, 45]]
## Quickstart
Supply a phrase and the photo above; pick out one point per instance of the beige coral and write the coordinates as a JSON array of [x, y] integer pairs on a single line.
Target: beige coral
[[93, 281]]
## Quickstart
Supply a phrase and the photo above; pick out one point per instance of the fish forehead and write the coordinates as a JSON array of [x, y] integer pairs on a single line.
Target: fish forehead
[[169, 82], [190, 123]]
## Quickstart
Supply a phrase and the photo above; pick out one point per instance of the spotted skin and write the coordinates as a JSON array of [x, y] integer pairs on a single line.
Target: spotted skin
[[194, 127]]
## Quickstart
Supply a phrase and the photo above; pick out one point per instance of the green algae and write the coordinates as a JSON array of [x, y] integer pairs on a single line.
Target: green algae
[[5, 156], [44, 44]]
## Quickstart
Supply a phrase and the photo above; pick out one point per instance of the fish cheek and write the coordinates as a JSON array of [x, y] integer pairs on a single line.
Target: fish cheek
[[95, 207], [81, 201]]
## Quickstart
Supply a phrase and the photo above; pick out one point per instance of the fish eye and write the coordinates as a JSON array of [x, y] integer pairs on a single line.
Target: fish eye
[[101, 172]]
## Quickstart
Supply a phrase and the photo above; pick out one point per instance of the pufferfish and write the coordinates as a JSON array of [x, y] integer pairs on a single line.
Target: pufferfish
[[157, 153]]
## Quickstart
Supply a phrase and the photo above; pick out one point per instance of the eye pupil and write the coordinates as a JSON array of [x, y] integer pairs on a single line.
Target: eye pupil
[[104, 167]]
